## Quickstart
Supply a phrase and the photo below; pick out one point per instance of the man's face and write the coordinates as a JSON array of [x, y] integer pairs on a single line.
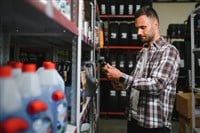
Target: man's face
[[146, 28]]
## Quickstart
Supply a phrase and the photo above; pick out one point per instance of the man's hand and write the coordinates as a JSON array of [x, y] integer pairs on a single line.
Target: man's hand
[[112, 72]]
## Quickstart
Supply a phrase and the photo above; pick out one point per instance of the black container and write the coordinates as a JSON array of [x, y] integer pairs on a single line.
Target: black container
[[133, 38], [113, 101], [104, 96], [197, 21], [197, 68], [138, 4], [103, 7], [121, 62], [130, 7], [181, 29], [172, 30], [123, 99], [188, 55], [180, 45], [182, 84], [130, 62], [123, 33], [113, 59], [146, 2], [113, 8], [122, 7], [197, 39], [113, 33]]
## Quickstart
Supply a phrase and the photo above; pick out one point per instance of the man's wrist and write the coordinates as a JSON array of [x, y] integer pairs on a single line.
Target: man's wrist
[[122, 78]]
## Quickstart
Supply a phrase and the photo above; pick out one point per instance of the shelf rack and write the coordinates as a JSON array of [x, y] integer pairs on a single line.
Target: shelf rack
[[194, 50], [34, 20]]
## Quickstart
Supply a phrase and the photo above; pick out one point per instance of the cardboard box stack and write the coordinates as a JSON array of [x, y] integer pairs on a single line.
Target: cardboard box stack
[[184, 107]]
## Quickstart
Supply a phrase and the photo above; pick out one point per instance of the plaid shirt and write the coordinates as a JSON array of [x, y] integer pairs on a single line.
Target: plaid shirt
[[156, 83]]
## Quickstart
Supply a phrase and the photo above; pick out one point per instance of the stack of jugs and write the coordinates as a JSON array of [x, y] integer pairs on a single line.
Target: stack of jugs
[[12, 114], [38, 114], [53, 87]]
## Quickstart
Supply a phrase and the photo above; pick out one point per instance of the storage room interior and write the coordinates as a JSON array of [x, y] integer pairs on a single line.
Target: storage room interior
[[62, 45]]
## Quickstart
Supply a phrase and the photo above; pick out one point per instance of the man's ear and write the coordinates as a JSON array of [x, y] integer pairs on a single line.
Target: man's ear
[[156, 24]]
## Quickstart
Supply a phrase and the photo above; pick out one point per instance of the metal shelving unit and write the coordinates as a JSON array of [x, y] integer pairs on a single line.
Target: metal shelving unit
[[39, 21], [194, 51]]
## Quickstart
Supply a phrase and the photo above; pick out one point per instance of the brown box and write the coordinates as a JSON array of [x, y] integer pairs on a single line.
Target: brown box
[[184, 104], [185, 124]]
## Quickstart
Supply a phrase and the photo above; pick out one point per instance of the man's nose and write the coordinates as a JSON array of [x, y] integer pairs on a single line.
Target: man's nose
[[139, 31]]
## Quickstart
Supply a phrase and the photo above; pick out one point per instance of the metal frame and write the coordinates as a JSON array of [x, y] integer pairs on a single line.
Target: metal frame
[[192, 15], [4, 48]]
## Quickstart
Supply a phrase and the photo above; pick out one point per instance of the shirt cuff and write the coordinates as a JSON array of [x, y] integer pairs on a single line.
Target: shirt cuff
[[127, 79]]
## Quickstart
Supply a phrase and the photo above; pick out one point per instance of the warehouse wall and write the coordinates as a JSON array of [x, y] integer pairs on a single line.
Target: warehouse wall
[[172, 13]]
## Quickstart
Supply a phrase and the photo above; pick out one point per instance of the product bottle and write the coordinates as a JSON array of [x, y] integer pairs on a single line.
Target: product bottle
[[39, 114], [17, 69], [12, 118], [53, 86]]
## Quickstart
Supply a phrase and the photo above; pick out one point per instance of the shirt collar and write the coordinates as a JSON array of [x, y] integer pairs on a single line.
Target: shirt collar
[[157, 44]]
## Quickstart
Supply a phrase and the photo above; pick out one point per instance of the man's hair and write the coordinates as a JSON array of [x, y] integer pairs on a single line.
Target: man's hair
[[148, 11], [197, 4]]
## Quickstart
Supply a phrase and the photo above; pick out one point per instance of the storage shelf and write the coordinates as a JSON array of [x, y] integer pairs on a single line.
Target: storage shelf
[[175, 37], [36, 19], [197, 90], [196, 50], [85, 109], [111, 113], [87, 42], [123, 47], [198, 29], [54, 14], [104, 79], [36, 23], [117, 16]]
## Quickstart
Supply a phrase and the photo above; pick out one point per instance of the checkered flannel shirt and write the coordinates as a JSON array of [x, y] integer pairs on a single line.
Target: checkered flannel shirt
[[157, 85]]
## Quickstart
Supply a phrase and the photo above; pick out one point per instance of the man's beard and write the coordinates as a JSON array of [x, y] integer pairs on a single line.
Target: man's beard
[[146, 39]]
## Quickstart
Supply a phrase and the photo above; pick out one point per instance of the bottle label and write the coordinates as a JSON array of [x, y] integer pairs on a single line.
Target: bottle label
[[182, 63], [121, 9], [130, 65], [61, 116], [124, 36], [121, 64], [113, 10], [130, 9], [134, 36], [42, 126], [103, 9], [113, 35]]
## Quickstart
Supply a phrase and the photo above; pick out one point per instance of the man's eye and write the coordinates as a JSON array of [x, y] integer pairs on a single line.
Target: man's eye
[[143, 27]]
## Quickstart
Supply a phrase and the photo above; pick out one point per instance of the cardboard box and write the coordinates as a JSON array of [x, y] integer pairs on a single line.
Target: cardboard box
[[185, 124], [184, 104]]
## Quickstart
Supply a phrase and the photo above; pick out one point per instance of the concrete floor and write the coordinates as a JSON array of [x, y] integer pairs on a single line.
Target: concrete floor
[[113, 125]]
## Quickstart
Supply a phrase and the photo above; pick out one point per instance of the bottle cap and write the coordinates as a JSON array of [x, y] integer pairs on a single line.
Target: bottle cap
[[10, 63], [29, 68], [58, 95], [49, 65], [17, 65], [46, 63], [13, 125], [36, 106], [5, 71]]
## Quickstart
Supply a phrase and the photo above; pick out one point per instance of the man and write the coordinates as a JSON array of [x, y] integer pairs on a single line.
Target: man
[[152, 84]]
